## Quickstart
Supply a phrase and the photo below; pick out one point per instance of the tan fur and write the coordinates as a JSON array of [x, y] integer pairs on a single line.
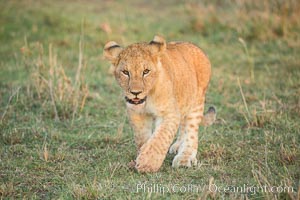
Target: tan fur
[[172, 78]]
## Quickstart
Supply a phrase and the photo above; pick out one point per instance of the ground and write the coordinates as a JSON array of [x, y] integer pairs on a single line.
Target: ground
[[64, 132]]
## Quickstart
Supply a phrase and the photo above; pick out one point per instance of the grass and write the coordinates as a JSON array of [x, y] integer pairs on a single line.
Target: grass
[[64, 133]]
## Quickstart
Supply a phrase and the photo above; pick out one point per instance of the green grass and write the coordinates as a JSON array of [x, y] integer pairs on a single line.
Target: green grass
[[254, 48]]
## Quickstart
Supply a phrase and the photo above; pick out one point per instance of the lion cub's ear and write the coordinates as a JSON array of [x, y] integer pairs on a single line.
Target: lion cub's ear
[[158, 44], [112, 51]]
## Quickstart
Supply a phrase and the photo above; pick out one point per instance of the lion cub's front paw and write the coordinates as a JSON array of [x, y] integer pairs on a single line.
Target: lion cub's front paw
[[148, 160], [185, 160]]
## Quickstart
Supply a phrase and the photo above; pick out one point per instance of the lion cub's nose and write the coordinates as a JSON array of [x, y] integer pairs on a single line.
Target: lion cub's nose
[[135, 92]]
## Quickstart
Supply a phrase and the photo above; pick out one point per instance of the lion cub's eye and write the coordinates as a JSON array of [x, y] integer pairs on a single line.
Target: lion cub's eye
[[125, 72], [146, 71]]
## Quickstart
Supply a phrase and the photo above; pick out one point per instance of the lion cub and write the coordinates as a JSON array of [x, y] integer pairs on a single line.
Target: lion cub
[[164, 85]]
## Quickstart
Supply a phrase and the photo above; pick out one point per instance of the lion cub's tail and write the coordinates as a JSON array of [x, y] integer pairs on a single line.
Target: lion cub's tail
[[209, 117]]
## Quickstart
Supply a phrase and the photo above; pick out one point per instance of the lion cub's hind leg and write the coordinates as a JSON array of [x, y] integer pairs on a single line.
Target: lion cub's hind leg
[[175, 146], [189, 145]]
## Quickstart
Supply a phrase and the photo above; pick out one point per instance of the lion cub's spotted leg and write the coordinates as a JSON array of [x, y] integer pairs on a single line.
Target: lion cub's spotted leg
[[153, 152], [174, 148], [188, 149], [142, 127]]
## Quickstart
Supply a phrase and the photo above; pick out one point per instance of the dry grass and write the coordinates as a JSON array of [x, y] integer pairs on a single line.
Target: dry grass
[[67, 94]]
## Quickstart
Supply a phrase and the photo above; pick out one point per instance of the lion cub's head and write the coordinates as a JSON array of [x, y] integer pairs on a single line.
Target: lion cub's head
[[136, 67]]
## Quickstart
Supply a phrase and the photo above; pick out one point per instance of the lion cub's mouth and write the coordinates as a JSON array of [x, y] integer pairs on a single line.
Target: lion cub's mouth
[[135, 101]]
